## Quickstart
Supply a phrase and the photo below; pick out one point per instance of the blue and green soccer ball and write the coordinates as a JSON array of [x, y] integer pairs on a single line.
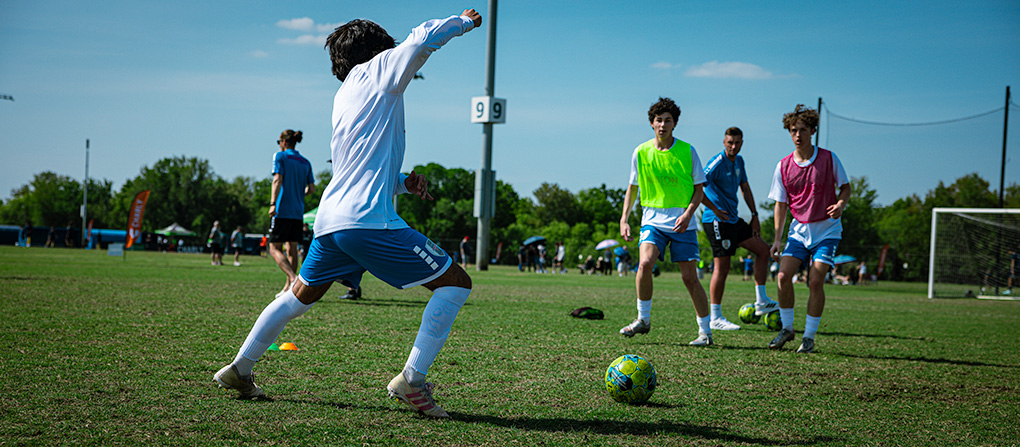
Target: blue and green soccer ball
[[747, 314], [773, 321], [630, 379]]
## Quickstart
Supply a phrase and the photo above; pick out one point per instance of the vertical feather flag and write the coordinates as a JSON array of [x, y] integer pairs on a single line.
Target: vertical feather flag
[[134, 229]]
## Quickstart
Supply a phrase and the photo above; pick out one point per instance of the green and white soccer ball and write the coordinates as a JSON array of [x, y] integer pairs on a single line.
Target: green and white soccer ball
[[630, 379], [747, 314], [773, 321]]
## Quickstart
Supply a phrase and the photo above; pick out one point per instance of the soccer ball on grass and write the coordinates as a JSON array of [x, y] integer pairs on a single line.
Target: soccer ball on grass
[[747, 314], [630, 379], [773, 321]]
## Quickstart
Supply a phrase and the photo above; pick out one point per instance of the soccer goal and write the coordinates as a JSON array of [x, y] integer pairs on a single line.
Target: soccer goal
[[975, 252]]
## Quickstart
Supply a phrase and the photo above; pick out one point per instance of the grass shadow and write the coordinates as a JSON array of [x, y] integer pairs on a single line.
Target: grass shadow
[[594, 426], [936, 361], [897, 337]]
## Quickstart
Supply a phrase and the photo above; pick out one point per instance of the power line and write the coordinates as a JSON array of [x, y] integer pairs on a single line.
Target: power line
[[829, 112]]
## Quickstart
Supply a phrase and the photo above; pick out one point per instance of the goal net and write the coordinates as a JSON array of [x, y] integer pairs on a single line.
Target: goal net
[[971, 253]]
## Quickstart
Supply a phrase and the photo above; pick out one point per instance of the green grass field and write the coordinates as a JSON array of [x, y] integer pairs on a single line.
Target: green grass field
[[100, 350]]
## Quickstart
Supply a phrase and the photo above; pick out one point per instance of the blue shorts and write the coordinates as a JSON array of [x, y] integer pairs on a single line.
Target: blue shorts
[[822, 252], [402, 258], [682, 246]]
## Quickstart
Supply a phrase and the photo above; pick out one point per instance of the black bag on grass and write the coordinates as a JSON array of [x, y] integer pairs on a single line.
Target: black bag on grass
[[587, 312]]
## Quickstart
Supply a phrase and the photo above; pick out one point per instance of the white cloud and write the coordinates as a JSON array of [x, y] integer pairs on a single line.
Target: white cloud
[[259, 54], [664, 65], [730, 70], [305, 39], [302, 24]]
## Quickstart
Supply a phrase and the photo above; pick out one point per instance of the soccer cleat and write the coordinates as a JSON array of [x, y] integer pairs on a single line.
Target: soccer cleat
[[766, 307], [806, 345], [352, 294], [419, 398], [784, 336], [638, 326], [722, 324], [702, 340], [228, 378]]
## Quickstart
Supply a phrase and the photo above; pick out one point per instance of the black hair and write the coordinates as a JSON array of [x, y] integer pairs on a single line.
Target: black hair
[[356, 42]]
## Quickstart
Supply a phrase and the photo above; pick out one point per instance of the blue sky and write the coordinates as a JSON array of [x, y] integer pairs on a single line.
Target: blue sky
[[220, 80]]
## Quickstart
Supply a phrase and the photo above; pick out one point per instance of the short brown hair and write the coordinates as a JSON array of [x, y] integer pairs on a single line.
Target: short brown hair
[[290, 137], [801, 114], [734, 132], [664, 105]]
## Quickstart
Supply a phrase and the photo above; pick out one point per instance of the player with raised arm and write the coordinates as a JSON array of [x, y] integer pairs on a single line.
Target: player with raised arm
[[805, 183], [667, 174], [724, 174], [357, 228]]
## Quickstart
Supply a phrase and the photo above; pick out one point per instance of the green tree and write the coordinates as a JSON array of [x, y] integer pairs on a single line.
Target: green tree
[[52, 199]]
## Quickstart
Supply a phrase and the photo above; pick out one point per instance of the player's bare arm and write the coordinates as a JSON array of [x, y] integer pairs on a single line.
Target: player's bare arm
[[723, 215], [685, 218], [628, 202], [274, 193], [780, 219], [473, 15], [836, 210], [749, 200]]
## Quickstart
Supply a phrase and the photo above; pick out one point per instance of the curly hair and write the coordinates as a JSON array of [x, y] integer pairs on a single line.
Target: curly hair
[[290, 137], [664, 105], [801, 114], [356, 42]]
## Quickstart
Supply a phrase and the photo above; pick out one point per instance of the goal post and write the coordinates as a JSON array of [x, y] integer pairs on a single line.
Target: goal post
[[971, 253]]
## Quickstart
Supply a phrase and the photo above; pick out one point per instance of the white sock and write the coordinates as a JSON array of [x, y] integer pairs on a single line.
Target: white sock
[[716, 311], [703, 325], [644, 310], [786, 317], [436, 322], [760, 295], [810, 326], [267, 327]]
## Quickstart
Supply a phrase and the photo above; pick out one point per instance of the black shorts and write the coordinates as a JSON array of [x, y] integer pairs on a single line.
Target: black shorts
[[217, 249], [725, 238], [285, 230]]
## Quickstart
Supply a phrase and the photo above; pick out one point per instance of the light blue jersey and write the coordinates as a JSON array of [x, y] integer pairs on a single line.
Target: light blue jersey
[[297, 174], [722, 181]]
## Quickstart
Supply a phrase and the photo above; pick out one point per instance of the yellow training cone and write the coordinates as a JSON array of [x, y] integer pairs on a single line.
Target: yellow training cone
[[288, 347]]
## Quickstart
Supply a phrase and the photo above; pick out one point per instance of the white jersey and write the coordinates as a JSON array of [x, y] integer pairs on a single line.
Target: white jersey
[[665, 218], [368, 132], [812, 233]]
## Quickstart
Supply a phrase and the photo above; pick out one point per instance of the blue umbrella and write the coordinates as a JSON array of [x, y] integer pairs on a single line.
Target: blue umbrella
[[533, 239], [843, 259]]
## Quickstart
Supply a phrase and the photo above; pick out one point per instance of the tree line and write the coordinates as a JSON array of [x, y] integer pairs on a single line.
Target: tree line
[[189, 192]]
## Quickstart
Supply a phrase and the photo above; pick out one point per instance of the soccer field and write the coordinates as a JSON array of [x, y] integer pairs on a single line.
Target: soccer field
[[101, 350]]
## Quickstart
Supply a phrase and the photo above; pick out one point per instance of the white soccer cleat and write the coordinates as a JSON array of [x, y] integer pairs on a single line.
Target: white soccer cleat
[[722, 324], [419, 398], [702, 340], [228, 378], [765, 308]]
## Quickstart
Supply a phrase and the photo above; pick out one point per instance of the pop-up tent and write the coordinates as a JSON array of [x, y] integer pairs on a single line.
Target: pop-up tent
[[175, 230]]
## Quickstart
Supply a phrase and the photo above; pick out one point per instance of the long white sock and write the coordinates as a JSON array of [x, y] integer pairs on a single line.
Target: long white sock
[[786, 317], [436, 322], [716, 311], [644, 310], [760, 295], [703, 326], [811, 326], [267, 327]]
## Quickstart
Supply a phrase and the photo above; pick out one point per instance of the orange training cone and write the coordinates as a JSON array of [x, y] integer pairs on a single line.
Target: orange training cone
[[288, 347]]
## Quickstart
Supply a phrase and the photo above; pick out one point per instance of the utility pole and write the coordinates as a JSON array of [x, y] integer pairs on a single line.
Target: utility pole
[[487, 110], [1002, 173], [85, 199]]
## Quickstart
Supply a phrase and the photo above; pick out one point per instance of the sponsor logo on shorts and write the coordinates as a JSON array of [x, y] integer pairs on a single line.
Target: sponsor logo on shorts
[[726, 244], [434, 249], [645, 235]]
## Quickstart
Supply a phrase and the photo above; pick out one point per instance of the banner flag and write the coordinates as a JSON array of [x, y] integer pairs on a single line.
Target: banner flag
[[881, 260], [134, 229]]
